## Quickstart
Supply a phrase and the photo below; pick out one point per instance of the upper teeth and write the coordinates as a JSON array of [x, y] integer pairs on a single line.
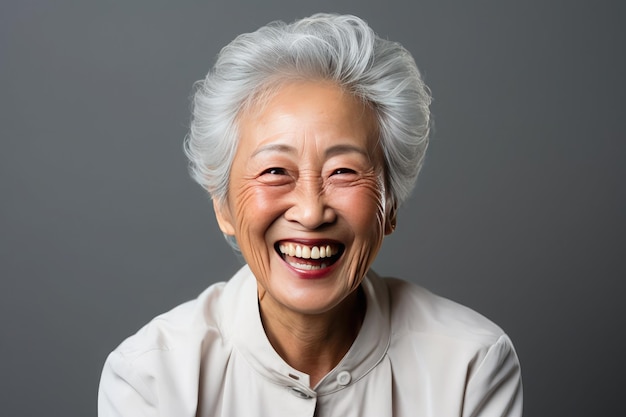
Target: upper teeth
[[307, 252]]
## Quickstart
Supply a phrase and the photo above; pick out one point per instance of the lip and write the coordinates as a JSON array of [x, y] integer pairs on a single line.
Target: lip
[[311, 242], [315, 273]]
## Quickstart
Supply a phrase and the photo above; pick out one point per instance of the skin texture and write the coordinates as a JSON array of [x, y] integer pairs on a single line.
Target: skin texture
[[308, 170]]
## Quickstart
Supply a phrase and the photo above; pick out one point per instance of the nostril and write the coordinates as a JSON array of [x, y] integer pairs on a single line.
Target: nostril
[[311, 215]]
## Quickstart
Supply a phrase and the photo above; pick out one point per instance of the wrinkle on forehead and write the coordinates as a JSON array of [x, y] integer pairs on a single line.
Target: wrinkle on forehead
[[254, 107], [339, 149]]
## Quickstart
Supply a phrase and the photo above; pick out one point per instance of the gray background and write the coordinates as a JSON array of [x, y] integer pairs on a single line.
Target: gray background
[[519, 212]]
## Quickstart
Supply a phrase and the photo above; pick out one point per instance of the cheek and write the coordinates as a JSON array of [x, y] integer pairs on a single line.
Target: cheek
[[363, 209], [363, 205], [255, 209]]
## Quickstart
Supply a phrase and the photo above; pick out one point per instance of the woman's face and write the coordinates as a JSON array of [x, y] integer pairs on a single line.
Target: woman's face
[[306, 196]]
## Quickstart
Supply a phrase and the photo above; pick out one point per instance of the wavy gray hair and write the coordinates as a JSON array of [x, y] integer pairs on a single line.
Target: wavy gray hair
[[338, 48]]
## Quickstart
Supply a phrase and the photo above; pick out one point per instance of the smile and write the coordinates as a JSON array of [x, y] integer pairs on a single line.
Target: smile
[[309, 257]]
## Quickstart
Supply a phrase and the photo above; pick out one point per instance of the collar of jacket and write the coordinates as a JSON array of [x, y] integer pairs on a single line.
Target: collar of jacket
[[241, 324]]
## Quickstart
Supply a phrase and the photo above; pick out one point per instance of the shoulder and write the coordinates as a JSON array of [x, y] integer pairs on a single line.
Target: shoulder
[[186, 331], [181, 325], [415, 310], [459, 355], [159, 366]]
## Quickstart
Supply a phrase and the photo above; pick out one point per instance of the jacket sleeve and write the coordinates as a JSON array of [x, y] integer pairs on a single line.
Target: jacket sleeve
[[494, 388], [122, 391]]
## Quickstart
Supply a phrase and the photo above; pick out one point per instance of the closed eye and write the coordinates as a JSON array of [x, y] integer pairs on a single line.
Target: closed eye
[[275, 176], [340, 171], [274, 171]]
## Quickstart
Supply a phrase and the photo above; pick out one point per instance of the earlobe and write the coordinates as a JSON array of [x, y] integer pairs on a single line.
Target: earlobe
[[224, 218], [390, 225]]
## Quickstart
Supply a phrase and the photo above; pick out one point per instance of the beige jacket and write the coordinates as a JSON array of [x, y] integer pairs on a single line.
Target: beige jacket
[[417, 354]]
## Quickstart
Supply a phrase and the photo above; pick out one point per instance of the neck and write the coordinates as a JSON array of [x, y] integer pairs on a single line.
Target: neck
[[314, 343]]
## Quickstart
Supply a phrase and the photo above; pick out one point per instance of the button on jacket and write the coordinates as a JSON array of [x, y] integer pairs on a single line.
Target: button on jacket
[[416, 354]]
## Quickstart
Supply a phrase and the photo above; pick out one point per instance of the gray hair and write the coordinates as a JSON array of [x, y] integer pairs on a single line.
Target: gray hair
[[339, 48]]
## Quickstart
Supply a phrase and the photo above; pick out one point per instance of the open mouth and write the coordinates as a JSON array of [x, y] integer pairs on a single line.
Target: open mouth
[[309, 257]]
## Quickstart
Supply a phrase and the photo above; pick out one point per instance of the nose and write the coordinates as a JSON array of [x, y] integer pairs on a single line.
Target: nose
[[309, 206]]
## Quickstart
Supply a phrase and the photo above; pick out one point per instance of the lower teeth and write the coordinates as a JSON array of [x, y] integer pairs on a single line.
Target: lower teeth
[[308, 267]]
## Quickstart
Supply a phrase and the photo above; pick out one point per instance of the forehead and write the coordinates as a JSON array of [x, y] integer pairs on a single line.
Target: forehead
[[305, 108]]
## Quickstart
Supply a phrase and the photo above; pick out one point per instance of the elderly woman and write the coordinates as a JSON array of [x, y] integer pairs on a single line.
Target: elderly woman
[[308, 137]]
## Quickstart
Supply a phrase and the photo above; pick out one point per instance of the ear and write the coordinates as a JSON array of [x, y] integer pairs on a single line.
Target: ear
[[224, 217], [391, 216]]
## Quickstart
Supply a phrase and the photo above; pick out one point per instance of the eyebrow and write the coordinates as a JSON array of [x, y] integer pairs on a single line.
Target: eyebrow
[[274, 147], [343, 149], [332, 151]]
